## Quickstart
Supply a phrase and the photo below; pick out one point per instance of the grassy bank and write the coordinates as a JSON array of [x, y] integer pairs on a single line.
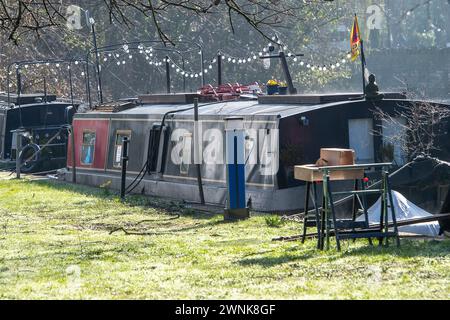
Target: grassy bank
[[63, 241]]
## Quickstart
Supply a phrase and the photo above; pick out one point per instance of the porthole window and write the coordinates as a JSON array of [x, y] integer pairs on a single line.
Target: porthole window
[[120, 134]]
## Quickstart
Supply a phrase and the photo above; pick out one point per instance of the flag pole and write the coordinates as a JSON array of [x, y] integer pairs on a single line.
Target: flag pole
[[363, 65]]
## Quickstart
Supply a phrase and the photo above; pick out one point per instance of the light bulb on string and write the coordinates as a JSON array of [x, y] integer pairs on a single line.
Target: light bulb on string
[[130, 57], [206, 70]]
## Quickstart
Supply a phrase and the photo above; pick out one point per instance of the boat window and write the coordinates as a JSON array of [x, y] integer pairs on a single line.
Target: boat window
[[157, 148], [120, 134], [360, 132], [393, 135], [88, 148], [186, 153]]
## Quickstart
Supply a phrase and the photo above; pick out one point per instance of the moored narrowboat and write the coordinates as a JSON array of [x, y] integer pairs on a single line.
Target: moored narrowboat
[[42, 118], [281, 131]]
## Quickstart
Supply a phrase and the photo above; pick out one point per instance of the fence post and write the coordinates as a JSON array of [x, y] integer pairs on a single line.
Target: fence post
[[124, 166]]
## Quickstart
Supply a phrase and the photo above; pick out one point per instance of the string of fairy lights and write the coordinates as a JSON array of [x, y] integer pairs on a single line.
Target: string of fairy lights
[[122, 55], [54, 68]]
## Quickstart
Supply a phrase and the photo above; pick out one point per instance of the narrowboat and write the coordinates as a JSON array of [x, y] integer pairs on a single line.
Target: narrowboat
[[281, 132], [43, 119]]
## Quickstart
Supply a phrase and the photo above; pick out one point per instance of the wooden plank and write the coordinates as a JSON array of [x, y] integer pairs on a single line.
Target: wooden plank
[[311, 173], [172, 98], [319, 98]]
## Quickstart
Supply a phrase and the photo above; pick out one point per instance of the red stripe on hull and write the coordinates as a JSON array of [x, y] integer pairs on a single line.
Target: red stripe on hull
[[101, 129]]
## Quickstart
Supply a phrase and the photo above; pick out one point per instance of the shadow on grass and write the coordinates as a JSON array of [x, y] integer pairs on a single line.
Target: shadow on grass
[[409, 249], [133, 200]]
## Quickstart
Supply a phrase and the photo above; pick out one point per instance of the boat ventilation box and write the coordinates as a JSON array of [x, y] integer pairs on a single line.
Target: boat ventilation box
[[157, 147]]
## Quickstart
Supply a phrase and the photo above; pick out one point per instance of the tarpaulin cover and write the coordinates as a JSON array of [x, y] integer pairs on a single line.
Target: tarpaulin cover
[[404, 209]]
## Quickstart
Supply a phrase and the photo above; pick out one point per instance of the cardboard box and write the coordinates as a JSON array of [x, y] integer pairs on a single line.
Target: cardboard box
[[336, 157]]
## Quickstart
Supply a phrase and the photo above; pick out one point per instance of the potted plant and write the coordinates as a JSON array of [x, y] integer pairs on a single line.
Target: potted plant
[[272, 87], [282, 88]]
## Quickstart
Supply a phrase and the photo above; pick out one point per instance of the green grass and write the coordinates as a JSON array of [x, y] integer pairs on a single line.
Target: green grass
[[56, 242]]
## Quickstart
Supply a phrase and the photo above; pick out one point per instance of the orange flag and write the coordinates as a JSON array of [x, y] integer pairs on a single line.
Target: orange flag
[[355, 40]]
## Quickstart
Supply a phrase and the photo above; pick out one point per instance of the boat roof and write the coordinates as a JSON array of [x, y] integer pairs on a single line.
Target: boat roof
[[228, 108], [281, 107]]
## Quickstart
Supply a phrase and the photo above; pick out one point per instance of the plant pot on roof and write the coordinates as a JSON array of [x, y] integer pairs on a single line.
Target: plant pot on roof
[[282, 88], [272, 87]]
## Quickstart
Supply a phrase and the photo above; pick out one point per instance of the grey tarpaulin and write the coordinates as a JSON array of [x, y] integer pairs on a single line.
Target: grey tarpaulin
[[405, 209]]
